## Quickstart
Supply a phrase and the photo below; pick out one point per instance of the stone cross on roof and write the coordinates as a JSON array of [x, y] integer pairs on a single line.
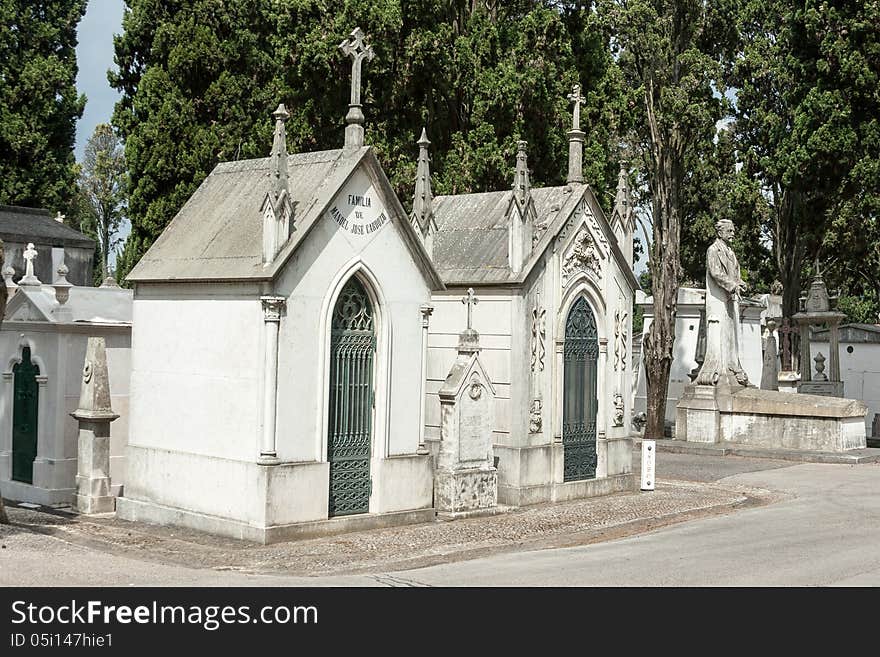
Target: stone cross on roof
[[356, 48], [471, 300], [577, 99]]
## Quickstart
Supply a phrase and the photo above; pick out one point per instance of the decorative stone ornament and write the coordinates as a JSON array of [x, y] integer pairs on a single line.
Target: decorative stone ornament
[[582, 257], [535, 421], [62, 285], [94, 414], [618, 410], [538, 336], [29, 279]]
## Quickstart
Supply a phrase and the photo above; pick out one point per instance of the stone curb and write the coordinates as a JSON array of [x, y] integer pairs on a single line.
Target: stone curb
[[854, 457]]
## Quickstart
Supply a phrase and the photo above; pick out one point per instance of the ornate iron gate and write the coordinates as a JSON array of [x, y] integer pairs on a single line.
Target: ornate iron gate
[[352, 345], [24, 417], [580, 405]]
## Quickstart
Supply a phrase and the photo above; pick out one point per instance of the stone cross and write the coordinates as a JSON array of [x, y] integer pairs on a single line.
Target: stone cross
[[356, 48], [29, 254], [471, 300], [577, 99]]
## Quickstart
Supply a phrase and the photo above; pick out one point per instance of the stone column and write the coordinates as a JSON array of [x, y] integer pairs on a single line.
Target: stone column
[[806, 361], [272, 309], [94, 415], [426, 311], [834, 349]]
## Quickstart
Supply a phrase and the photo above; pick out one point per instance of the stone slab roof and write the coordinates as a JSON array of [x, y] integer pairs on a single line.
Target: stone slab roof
[[218, 233], [20, 224], [98, 305], [471, 243]]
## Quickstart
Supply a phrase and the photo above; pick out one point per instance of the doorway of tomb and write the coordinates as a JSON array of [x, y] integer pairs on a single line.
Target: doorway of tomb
[[580, 404], [24, 417], [352, 400]]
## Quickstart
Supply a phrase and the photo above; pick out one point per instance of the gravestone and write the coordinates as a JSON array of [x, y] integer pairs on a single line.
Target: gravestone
[[93, 494], [466, 479]]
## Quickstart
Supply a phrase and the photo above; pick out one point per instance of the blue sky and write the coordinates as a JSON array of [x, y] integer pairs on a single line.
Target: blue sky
[[94, 55]]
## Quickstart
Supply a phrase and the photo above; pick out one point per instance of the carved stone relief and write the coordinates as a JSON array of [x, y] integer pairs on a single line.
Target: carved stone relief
[[538, 335], [582, 256], [620, 317], [618, 410], [535, 421]]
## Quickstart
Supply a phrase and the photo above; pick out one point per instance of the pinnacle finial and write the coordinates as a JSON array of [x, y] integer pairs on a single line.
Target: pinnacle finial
[[521, 179], [423, 198]]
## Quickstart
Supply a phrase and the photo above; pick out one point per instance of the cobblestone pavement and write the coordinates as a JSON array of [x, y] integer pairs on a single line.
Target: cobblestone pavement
[[385, 550]]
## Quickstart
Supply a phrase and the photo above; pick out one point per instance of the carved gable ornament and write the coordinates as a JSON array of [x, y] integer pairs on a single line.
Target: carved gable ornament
[[581, 257]]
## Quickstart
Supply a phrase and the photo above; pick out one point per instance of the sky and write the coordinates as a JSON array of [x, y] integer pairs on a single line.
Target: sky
[[94, 55]]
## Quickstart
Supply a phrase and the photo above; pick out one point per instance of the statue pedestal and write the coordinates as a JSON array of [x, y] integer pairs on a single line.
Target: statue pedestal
[[697, 418], [770, 419]]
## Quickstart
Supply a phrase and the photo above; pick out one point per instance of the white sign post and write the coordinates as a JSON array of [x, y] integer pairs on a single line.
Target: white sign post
[[649, 448]]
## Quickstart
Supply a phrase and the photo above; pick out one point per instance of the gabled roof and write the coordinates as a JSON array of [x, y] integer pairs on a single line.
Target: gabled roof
[[101, 305], [471, 243], [20, 224], [218, 233]]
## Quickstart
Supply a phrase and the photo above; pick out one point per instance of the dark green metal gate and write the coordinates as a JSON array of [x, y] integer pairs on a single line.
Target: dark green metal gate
[[24, 417], [352, 345], [580, 405]]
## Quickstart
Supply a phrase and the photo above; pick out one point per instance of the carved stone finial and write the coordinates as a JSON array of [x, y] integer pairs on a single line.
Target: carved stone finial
[[279, 152], [60, 218], [521, 185], [29, 254], [355, 47], [62, 285], [423, 212], [576, 139], [94, 398]]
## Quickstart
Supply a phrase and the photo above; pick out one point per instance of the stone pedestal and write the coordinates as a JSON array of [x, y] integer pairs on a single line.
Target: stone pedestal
[[697, 416], [93, 492], [466, 480], [770, 419]]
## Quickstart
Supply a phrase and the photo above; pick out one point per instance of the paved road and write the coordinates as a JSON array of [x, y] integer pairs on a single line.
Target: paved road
[[825, 533]]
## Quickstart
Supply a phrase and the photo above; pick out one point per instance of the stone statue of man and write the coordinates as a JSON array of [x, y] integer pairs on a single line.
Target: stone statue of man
[[724, 289]]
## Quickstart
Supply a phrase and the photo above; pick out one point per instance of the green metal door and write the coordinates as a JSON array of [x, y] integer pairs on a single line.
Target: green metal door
[[580, 405], [24, 418], [352, 345]]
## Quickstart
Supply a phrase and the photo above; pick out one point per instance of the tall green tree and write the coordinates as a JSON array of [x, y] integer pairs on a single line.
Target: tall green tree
[[39, 104], [808, 127], [673, 55], [102, 183], [199, 79]]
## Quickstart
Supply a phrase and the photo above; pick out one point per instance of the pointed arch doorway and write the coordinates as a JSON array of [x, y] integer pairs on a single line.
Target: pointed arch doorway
[[580, 382], [25, 405], [351, 398]]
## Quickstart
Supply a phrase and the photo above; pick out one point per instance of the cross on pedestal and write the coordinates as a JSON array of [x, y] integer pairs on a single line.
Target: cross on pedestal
[[471, 300], [577, 99], [356, 48]]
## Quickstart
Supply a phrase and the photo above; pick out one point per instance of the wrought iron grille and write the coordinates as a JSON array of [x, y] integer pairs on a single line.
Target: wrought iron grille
[[580, 403], [352, 345], [24, 417]]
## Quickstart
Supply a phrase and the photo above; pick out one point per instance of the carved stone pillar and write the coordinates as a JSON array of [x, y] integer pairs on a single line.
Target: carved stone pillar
[[273, 307], [426, 311]]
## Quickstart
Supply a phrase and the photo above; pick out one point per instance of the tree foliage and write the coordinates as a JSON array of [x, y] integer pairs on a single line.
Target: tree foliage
[[808, 132], [199, 79], [102, 183], [673, 56], [39, 104]]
